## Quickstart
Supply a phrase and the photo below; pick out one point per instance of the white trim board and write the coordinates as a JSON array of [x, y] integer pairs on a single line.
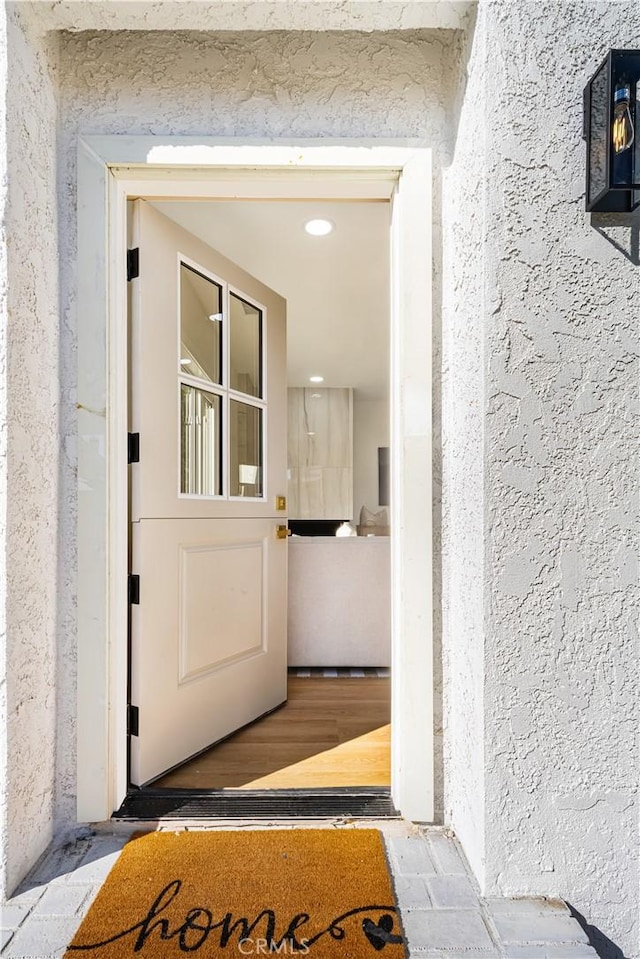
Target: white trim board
[[113, 169]]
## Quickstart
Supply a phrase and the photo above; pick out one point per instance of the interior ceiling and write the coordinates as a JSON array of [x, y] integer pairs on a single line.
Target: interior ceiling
[[336, 287]]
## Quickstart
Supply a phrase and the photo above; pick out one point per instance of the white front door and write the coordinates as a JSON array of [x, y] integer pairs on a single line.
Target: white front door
[[208, 400]]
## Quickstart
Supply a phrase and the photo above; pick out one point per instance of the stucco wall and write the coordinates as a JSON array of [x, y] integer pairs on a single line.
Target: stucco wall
[[552, 307], [463, 360], [540, 373], [30, 458]]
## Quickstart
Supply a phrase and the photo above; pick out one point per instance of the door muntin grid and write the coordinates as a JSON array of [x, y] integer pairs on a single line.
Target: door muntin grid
[[222, 388]]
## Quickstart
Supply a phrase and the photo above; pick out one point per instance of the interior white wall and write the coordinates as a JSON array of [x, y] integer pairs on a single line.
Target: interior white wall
[[30, 460], [541, 465], [370, 430]]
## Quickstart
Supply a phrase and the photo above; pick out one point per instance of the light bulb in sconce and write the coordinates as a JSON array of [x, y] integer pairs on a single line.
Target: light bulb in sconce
[[622, 131]]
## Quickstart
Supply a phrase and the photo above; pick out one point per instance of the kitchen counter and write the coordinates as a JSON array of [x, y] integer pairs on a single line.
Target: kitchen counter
[[339, 601]]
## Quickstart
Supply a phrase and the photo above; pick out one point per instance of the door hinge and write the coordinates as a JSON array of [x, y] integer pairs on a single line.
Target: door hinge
[[133, 721], [134, 589], [133, 263], [133, 447]]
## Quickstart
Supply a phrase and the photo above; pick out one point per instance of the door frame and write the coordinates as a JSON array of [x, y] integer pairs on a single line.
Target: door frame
[[113, 169]]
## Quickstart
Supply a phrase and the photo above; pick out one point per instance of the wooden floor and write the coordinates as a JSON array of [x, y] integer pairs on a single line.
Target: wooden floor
[[330, 732]]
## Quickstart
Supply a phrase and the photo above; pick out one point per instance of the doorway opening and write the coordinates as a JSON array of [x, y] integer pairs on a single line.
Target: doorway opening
[[329, 729], [113, 170]]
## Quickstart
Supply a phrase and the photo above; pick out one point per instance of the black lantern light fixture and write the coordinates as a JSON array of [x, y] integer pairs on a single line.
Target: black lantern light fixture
[[611, 121]]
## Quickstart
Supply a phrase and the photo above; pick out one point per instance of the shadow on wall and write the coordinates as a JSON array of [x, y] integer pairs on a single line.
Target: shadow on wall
[[604, 946], [622, 231]]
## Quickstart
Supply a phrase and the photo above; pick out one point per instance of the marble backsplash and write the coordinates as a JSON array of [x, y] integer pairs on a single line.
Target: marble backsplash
[[320, 453], [320, 493]]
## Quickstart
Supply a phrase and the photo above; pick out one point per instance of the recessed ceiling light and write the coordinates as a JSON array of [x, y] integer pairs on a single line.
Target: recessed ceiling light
[[319, 227], [185, 362], [311, 434], [316, 379]]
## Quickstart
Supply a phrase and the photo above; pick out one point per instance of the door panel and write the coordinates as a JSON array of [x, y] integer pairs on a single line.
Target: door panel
[[208, 384], [157, 297], [209, 655]]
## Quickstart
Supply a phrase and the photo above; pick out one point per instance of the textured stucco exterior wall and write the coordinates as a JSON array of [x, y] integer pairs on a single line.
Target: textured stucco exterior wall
[[463, 349], [30, 456], [231, 84], [552, 307], [540, 380]]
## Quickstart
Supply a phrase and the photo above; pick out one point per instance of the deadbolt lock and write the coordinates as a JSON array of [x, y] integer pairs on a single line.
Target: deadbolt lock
[[282, 532], [281, 502]]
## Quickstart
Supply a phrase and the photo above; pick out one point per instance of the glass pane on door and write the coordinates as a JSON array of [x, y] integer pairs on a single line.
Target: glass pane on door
[[245, 437], [200, 442], [200, 326], [246, 347]]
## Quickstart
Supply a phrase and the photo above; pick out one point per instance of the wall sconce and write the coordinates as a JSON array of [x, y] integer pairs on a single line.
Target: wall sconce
[[611, 115]]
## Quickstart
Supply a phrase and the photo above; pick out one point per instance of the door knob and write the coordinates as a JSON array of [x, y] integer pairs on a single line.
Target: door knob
[[282, 532]]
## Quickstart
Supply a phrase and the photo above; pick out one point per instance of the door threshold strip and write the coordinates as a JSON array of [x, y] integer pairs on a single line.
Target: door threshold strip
[[362, 802]]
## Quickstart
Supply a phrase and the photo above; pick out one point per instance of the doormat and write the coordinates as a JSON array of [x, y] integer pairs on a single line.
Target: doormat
[[324, 893]]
